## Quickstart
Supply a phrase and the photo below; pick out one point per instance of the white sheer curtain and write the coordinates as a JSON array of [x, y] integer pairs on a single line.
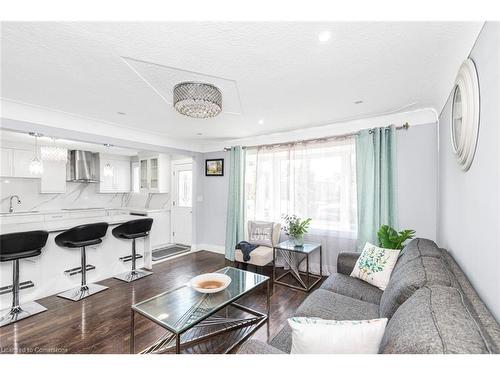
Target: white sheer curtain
[[309, 179]]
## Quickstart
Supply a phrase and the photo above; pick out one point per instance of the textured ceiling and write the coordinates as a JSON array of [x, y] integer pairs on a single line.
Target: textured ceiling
[[8, 137], [281, 72]]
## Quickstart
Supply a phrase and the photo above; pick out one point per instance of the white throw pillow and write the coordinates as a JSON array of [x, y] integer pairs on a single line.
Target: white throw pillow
[[375, 265], [318, 336], [260, 233]]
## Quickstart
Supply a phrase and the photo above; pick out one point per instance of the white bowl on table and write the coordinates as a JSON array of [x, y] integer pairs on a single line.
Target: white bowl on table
[[210, 282]]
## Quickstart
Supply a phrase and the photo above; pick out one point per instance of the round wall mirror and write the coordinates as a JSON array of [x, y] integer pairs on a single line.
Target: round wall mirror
[[465, 114]]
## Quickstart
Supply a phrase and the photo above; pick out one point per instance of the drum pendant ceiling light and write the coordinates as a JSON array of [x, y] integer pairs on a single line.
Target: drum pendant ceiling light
[[197, 99]]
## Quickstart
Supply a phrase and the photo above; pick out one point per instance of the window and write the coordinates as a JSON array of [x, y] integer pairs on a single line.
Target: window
[[184, 188], [311, 179]]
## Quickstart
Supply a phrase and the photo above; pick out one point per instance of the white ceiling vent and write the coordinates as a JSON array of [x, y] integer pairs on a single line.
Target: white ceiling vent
[[162, 80]]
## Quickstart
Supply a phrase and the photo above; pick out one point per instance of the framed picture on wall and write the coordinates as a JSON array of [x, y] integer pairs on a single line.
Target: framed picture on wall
[[214, 167]]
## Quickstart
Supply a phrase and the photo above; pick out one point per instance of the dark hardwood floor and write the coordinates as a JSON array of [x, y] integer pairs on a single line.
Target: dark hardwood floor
[[101, 323]]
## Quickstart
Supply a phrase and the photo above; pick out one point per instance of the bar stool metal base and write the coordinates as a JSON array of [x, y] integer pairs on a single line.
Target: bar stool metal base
[[76, 294], [15, 314], [130, 276]]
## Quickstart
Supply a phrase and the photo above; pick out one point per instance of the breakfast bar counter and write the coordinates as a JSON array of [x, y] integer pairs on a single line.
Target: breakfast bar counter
[[60, 225], [47, 270]]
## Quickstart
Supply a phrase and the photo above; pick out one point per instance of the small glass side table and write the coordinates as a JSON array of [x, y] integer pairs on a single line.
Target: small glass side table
[[294, 256]]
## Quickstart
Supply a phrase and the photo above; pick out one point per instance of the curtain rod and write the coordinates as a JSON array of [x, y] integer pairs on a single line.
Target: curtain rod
[[405, 126]]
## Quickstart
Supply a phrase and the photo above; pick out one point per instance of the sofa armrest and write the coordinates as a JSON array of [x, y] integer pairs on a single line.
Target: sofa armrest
[[258, 347], [346, 262]]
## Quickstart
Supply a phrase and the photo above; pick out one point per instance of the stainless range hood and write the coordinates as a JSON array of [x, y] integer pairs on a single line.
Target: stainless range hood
[[82, 166]]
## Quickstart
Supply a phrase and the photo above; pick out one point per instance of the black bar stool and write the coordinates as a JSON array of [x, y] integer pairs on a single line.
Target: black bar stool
[[130, 231], [80, 237], [15, 246]]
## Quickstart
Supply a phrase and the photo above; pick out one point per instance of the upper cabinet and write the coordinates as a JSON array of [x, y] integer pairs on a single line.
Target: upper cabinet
[[16, 162], [114, 173], [154, 173], [6, 162], [21, 163]]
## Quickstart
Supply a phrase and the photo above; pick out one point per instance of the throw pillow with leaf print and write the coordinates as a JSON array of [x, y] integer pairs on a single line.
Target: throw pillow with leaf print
[[375, 265]]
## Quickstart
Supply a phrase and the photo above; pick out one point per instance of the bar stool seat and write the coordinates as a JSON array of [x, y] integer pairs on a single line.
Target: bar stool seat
[[80, 237], [20, 255], [13, 247], [75, 244], [131, 230]]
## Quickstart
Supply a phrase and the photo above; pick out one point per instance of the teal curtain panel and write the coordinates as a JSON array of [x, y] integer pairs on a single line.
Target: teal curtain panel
[[376, 182], [235, 210]]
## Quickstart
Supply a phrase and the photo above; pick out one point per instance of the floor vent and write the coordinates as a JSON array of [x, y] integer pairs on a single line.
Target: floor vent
[[169, 251]]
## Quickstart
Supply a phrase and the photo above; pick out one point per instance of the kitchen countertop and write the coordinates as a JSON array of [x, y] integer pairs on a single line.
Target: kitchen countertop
[[139, 210], [61, 225], [55, 211]]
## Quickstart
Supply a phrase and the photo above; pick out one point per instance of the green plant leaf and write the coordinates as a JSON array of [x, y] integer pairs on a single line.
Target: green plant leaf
[[389, 238], [295, 226]]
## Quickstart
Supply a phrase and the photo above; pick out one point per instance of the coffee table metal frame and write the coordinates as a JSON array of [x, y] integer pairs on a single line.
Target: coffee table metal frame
[[294, 267], [165, 342]]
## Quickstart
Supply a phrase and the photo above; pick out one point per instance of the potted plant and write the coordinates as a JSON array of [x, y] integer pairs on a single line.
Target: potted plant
[[296, 227], [389, 238]]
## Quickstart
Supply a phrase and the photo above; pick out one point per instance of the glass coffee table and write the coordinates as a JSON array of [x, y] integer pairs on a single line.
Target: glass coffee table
[[294, 256], [197, 322]]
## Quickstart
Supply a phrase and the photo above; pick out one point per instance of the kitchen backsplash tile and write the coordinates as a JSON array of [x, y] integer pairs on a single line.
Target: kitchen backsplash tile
[[78, 195]]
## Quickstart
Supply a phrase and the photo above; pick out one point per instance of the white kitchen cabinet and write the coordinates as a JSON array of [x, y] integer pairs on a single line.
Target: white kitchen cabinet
[[6, 162], [143, 173], [21, 160], [119, 181], [16, 163], [53, 178], [154, 173]]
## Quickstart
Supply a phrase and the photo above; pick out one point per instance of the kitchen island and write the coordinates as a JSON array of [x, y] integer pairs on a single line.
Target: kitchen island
[[47, 270]]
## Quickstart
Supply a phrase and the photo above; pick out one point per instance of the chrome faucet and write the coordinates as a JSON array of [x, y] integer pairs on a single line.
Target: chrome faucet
[[11, 209]]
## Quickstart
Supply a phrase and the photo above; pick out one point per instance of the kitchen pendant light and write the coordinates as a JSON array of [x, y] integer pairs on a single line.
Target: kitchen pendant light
[[108, 169], [35, 167]]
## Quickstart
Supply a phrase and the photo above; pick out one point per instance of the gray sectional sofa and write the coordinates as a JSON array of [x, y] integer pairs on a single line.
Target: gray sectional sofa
[[430, 304]]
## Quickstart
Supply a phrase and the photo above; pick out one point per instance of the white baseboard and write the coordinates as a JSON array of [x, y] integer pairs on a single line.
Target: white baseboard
[[213, 248]]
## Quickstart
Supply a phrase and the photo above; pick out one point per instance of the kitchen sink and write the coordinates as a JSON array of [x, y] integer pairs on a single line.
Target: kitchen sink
[[82, 209]]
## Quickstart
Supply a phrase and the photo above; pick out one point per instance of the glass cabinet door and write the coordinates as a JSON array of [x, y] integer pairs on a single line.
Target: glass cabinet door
[[144, 174], [153, 179]]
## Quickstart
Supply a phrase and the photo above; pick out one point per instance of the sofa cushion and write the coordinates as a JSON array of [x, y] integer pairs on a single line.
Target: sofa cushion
[[260, 256], [352, 287], [407, 279], [434, 319], [487, 323], [326, 305], [418, 247]]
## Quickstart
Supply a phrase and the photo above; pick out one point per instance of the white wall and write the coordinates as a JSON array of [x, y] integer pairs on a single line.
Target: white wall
[[417, 181], [469, 203], [212, 211]]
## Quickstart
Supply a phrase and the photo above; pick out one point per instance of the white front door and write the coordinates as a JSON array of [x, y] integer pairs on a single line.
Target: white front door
[[182, 203]]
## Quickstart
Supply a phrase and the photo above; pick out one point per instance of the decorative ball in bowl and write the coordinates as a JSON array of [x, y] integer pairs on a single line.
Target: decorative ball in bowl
[[210, 282]]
